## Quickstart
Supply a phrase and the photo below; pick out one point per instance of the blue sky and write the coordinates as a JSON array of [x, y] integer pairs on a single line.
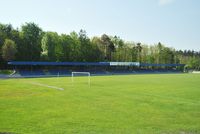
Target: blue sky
[[176, 23]]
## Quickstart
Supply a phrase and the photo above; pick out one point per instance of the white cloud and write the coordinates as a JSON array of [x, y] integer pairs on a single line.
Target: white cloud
[[164, 2]]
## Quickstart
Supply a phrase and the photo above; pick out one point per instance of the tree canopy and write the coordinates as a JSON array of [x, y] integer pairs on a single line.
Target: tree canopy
[[9, 50], [31, 43]]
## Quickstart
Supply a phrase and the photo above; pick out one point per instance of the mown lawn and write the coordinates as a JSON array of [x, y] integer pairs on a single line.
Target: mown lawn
[[141, 104]]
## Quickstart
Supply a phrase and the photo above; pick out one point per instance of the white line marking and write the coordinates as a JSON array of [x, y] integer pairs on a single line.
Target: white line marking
[[44, 85]]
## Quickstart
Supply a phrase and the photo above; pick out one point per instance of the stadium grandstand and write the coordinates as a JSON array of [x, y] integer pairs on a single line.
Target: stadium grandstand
[[48, 69]]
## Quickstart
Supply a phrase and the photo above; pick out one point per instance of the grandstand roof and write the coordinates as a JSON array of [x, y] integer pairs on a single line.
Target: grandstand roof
[[74, 63], [33, 63], [59, 63]]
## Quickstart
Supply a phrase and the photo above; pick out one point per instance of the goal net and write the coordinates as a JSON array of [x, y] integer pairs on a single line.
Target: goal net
[[81, 74]]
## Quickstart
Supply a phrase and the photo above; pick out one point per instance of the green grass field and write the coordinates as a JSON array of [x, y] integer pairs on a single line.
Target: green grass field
[[141, 104]]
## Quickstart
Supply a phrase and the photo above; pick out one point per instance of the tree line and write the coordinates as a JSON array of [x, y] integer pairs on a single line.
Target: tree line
[[31, 43]]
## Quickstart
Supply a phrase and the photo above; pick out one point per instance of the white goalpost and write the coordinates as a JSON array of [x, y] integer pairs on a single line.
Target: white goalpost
[[81, 74]]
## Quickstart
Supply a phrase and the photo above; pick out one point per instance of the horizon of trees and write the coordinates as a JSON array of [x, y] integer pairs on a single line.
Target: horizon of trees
[[31, 43]]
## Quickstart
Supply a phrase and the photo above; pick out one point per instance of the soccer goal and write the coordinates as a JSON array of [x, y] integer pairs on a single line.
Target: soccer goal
[[81, 74]]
